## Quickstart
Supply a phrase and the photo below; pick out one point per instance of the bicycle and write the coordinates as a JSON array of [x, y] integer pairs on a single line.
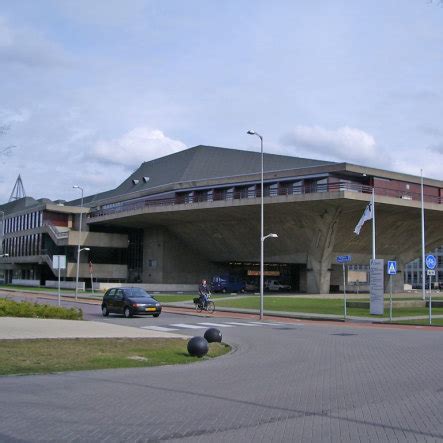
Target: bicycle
[[210, 305]]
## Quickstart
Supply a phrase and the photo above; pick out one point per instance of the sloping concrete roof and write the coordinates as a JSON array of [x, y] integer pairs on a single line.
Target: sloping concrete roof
[[20, 205], [199, 163]]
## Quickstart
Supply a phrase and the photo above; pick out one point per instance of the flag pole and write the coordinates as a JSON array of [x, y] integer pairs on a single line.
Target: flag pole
[[423, 246], [373, 222]]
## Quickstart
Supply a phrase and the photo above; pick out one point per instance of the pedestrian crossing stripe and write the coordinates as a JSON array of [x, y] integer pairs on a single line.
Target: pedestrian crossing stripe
[[159, 328], [240, 324], [229, 324], [187, 326], [219, 325]]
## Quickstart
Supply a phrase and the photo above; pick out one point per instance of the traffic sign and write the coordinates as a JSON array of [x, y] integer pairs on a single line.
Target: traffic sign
[[343, 258], [59, 261], [392, 267], [430, 272], [431, 261]]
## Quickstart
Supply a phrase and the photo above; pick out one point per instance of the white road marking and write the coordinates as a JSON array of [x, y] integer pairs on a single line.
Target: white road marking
[[159, 328], [240, 324], [220, 325], [265, 323], [187, 326]]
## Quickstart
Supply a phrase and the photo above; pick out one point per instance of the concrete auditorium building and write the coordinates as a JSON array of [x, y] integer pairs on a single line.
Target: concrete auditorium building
[[196, 213]]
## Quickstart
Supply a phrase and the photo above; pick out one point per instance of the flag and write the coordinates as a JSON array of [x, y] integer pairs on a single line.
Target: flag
[[367, 215]]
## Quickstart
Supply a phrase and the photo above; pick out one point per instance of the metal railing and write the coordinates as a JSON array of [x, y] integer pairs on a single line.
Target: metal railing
[[58, 234], [269, 191]]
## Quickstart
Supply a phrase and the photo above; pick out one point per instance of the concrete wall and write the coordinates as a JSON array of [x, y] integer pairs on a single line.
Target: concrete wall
[[153, 287], [102, 271], [65, 284], [21, 282], [168, 259], [100, 239]]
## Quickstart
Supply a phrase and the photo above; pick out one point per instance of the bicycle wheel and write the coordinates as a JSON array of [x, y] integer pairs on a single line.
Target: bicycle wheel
[[198, 307], [211, 306]]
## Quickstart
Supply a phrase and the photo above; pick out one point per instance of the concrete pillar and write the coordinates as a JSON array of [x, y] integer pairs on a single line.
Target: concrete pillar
[[167, 259], [319, 258], [153, 260]]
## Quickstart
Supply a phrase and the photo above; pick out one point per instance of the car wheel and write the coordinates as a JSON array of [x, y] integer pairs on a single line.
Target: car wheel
[[105, 311], [224, 291], [127, 312], [155, 315]]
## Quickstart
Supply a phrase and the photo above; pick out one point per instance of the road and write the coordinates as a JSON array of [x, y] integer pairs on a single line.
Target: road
[[285, 381]]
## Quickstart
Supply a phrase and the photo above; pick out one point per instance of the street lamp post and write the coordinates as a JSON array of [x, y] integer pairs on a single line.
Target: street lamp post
[[79, 240], [262, 237]]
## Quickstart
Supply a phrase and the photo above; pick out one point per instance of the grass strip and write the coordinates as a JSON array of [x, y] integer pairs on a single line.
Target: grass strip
[[21, 357], [11, 308], [317, 306]]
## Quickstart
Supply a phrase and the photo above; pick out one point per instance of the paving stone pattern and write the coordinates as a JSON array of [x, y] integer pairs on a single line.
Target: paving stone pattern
[[281, 384]]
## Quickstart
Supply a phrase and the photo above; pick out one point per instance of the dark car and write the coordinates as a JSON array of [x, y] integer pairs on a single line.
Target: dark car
[[129, 302]]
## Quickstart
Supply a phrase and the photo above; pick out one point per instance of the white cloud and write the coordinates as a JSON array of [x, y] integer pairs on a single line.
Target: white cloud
[[342, 144], [136, 146], [29, 47], [437, 148]]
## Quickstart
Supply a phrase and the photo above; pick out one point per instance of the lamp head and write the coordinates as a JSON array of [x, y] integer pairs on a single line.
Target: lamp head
[[75, 186], [273, 235], [86, 249], [251, 132]]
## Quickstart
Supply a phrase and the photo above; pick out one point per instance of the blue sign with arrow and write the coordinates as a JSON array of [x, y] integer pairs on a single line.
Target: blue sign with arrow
[[431, 261]]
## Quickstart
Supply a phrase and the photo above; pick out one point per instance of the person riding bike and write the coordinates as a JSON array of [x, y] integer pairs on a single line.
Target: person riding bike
[[204, 293]]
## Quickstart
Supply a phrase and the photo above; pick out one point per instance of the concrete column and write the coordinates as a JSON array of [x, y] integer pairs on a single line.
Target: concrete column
[[319, 258], [153, 260], [167, 259]]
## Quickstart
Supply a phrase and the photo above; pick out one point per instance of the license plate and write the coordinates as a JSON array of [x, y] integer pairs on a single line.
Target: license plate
[[150, 309]]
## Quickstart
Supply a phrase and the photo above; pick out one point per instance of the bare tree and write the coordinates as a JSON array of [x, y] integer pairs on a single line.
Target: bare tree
[[5, 151]]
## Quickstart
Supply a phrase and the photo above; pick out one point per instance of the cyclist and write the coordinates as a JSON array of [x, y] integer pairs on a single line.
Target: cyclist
[[204, 293]]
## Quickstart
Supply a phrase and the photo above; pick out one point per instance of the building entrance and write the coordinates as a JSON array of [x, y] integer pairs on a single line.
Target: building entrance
[[284, 273]]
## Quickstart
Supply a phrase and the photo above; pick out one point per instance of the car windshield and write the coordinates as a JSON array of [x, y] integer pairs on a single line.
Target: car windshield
[[137, 292]]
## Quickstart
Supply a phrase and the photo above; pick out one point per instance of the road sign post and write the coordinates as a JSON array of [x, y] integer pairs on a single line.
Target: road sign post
[[59, 262], [431, 263], [392, 270], [344, 259]]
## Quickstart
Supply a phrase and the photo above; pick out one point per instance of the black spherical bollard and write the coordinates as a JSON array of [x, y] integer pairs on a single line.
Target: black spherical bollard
[[212, 335], [198, 346]]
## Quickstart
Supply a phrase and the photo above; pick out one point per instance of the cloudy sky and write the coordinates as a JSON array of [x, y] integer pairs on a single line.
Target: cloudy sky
[[91, 88]]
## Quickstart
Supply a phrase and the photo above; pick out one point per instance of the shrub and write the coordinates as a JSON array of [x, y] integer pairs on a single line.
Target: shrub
[[10, 308]]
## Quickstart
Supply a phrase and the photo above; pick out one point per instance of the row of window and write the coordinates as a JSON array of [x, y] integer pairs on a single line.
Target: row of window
[[23, 246], [22, 222]]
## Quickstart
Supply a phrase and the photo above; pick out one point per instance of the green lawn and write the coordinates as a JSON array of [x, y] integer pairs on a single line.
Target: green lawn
[[174, 298], [56, 355], [315, 306]]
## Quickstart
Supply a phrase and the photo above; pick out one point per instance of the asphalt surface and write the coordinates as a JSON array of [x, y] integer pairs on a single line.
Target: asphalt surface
[[284, 381]]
